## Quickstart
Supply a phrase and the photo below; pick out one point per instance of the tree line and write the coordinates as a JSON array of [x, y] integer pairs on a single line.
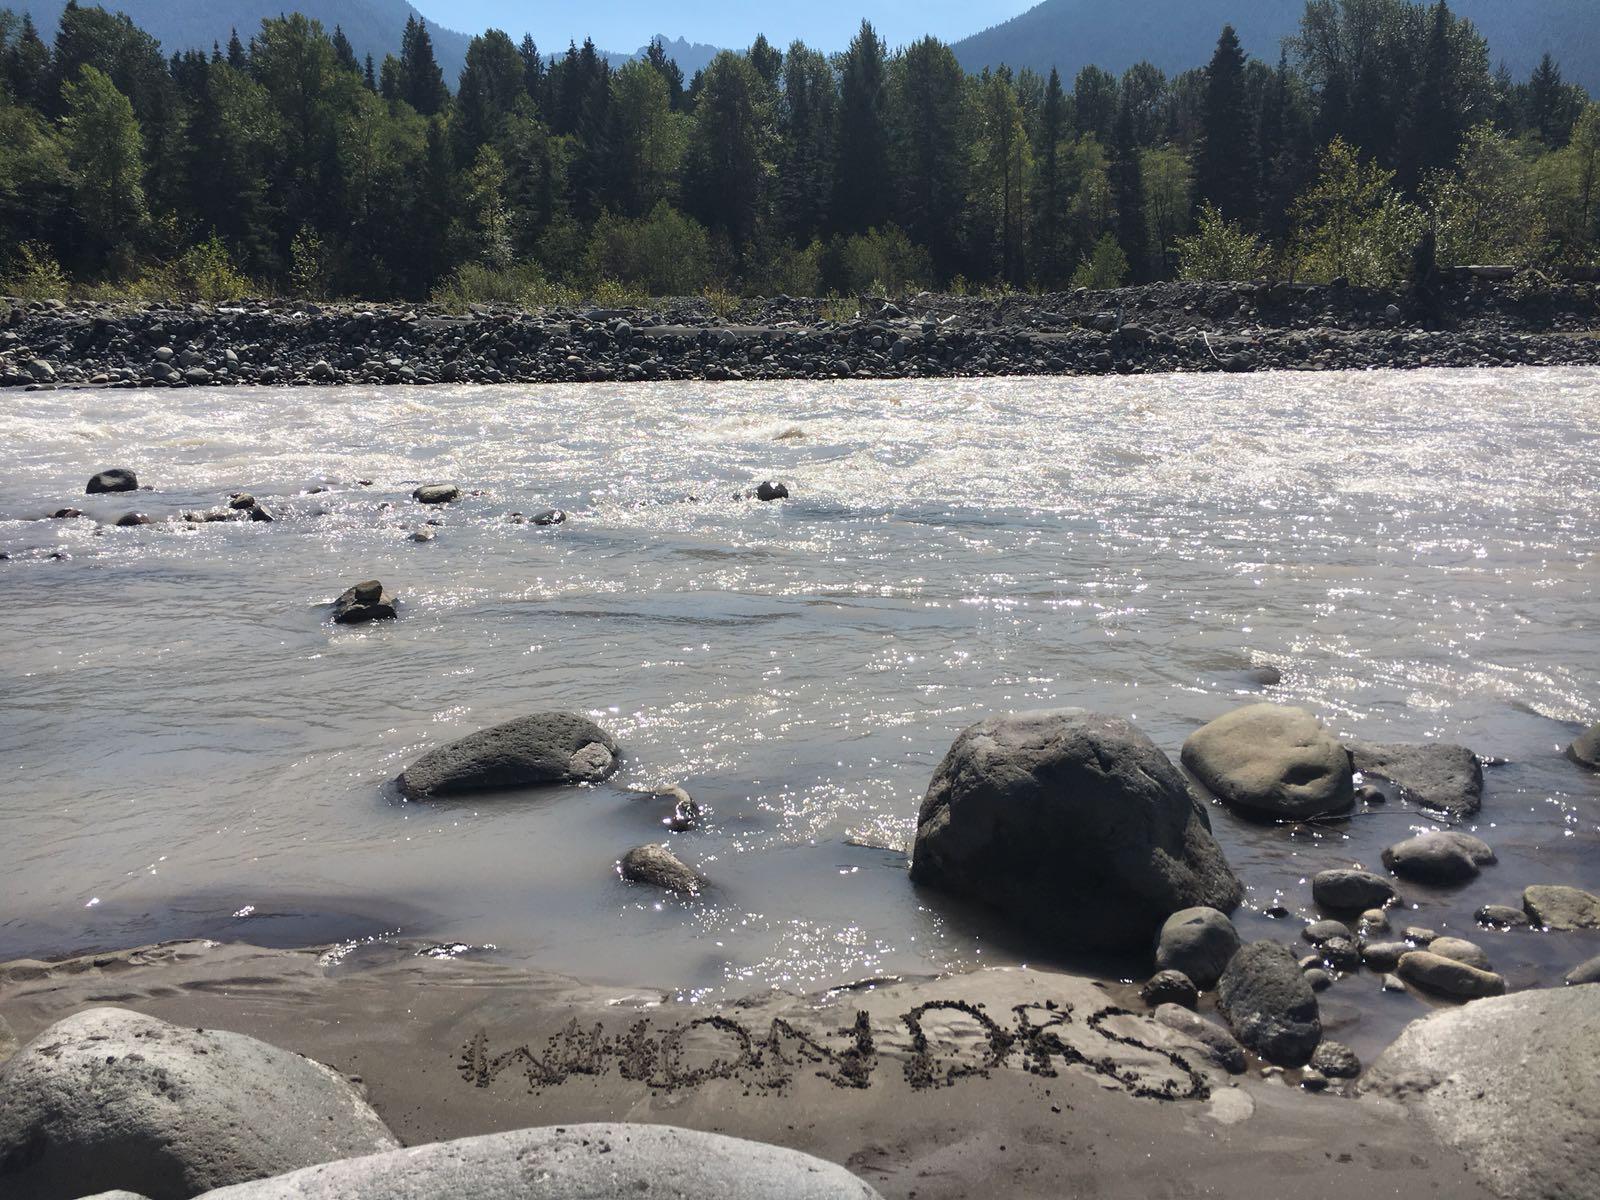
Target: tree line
[[1379, 134]]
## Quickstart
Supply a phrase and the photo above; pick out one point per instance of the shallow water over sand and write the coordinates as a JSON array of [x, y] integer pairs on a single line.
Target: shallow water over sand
[[185, 737]]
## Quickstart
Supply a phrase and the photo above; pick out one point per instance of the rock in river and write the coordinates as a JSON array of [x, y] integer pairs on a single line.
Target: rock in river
[[1350, 890], [1076, 825], [1449, 977], [362, 603], [1554, 906], [770, 491], [113, 479], [114, 1099], [1269, 1004], [1169, 987], [572, 1162], [1509, 1082], [660, 867], [436, 493], [1272, 760], [1585, 748], [1439, 858], [544, 748], [1436, 775], [1199, 942], [1584, 972]]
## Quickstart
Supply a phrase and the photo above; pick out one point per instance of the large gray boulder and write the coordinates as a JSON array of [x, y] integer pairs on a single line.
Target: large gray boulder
[[1350, 890], [1556, 906], [1076, 825], [1273, 761], [110, 1098], [1269, 1004], [1439, 857], [571, 1162], [1436, 775], [1585, 748], [1199, 942], [537, 750], [1510, 1082], [1449, 976]]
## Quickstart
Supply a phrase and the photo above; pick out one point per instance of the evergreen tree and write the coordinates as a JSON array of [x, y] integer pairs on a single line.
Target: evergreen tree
[[1002, 164], [369, 77], [861, 191], [1051, 239], [1127, 181], [344, 54], [725, 175], [926, 151], [670, 72], [532, 69], [105, 152], [492, 81], [1225, 173], [807, 112], [240, 61], [421, 82], [1094, 103]]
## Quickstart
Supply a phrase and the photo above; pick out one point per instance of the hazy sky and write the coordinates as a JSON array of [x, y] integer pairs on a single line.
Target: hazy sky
[[627, 24]]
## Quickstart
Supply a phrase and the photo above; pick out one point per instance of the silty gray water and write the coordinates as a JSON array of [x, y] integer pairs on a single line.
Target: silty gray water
[[185, 737]]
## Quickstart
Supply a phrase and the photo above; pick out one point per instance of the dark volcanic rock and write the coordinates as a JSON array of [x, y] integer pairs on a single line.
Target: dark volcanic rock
[[1269, 1004], [1585, 748], [657, 866], [114, 479], [1437, 776], [1075, 825], [537, 750], [1272, 760], [362, 603]]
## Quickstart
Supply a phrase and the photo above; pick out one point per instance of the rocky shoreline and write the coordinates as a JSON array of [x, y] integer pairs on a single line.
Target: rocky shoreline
[[1472, 321]]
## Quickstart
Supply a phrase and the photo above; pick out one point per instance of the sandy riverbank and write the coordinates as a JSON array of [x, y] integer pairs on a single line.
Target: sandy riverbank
[[992, 1099]]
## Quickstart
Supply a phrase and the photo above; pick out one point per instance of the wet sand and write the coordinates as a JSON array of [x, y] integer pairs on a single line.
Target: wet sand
[[1007, 1082]]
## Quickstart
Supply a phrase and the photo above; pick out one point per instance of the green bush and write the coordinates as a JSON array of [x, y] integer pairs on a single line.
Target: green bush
[[207, 273], [521, 284], [36, 275], [1220, 250], [881, 261], [664, 254], [1105, 268]]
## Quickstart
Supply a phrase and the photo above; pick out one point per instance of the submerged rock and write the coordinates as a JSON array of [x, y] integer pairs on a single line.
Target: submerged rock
[[1169, 987], [573, 1162], [1269, 1004], [1349, 889], [770, 491], [1585, 748], [1510, 1083], [1076, 825], [1199, 942], [1501, 915], [1438, 858], [660, 867], [1385, 956], [130, 520], [550, 516], [1555, 906], [1449, 977], [365, 602], [541, 749], [1272, 760], [1220, 1045], [1584, 972], [114, 1099], [113, 479], [1442, 777], [685, 812], [436, 493]]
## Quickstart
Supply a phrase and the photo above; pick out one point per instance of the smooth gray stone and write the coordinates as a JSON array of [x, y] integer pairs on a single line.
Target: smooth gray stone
[[536, 750], [1272, 760], [1585, 748], [1556, 906], [1269, 1004], [1348, 889], [1220, 1045], [1323, 931], [436, 493], [1435, 775], [571, 1162], [1075, 825], [1501, 914], [1585, 972], [110, 1098], [1385, 956], [1199, 942], [1438, 858], [1509, 1082], [1461, 950], [1169, 987], [1448, 976], [659, 867]]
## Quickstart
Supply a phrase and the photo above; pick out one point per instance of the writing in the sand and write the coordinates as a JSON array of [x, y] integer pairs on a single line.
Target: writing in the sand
[[1040, 1038]]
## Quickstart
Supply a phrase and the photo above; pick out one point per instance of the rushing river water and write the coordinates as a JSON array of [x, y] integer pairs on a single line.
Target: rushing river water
[[185, 737]]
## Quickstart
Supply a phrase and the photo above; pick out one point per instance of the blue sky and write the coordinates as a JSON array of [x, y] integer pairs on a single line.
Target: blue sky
[[626, 24]]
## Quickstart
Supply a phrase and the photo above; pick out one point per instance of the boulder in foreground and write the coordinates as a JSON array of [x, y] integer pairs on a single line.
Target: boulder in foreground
[[538, 750], [1075, 825], [114, 479], [110, 1098], [1199, 942], [572, 1162], [1449, 976], [1269, 1004], [1510, 1082], [1272, 760], [1436, 775]]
